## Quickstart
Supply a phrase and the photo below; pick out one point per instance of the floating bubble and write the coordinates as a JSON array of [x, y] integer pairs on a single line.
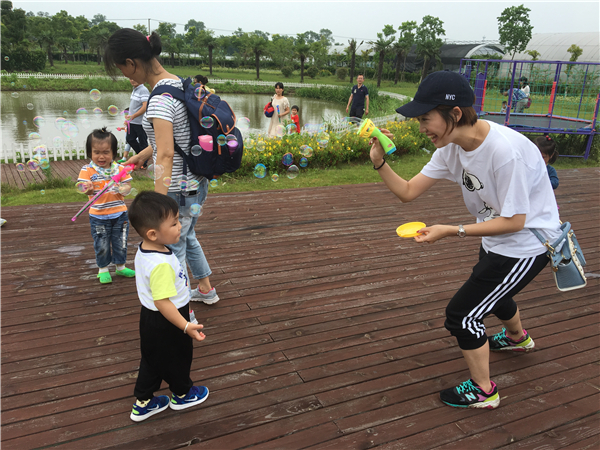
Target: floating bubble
[[45, 164], [97, 111], [65, 113], [124, 188], [85, 123], [221, 140], [81, 112], [184, 177], [290, 129], [39, 121], [165, 99], [288, 159], [155, 171], [306, 150], [199, 93], [167, 181], [323, 139], [43, 192], [279, 130], [275, 177], [20, 167], [59, 122], [57, 141], [35, 137], [243, 124], [260, 171], [196, 150], [195, 210], [6, 58], [260, 146], [303, 162], [206, 142], [113, 110], [81, 187], [15, 95], [207, 122], [33, 165], [183, 185], [25, 122], [12, 83], [193, 185], [249, 143], [95, 95], [30, 106], [214, 183], [69, 129], [292, 172], [133, 192]]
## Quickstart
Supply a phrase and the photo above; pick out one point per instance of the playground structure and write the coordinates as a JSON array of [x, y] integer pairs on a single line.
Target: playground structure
[[565, 96]]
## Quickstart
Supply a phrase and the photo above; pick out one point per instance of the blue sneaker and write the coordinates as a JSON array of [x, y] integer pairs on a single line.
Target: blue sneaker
[[469, 395], [195, 396], [156, 405]]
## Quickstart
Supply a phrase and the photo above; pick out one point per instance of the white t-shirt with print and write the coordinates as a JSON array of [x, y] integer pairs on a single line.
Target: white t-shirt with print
[[504, 176], [167, 108], [158, 275]]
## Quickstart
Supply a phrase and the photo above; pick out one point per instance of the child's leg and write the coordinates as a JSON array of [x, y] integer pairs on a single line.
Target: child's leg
[[118, 238], [149, 376], [101, 234]]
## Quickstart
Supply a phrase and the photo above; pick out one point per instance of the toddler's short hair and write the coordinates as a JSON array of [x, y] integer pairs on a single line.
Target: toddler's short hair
[[100, 135], [149, 210], [296, 108]]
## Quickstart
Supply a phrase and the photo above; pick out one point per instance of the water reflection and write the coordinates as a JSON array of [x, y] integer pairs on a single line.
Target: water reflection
[[17, 119]]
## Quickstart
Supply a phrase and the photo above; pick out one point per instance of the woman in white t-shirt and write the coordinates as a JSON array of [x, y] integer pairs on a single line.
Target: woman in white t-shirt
[[166, 123], [506, 187]]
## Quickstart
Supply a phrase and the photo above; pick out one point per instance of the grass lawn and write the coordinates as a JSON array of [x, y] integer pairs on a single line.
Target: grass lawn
[[407, 166]]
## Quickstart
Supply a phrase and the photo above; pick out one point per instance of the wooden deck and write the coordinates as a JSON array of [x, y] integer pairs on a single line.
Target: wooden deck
[[61, 169], [329, 333]]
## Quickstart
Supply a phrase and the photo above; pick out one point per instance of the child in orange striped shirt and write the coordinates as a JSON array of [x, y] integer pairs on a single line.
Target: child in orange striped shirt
[[108, 216]]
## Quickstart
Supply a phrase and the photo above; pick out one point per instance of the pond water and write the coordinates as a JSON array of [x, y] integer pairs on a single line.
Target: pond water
[[17, 117]]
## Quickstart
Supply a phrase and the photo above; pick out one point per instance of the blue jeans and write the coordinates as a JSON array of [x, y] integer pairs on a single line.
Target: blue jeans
[[107, 232], [188, 248]]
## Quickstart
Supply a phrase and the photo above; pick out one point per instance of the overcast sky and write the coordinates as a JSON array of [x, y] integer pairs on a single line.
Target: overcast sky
[[463, 21]]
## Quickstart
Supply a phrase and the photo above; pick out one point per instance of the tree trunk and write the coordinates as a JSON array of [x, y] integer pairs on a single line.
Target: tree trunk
[[98, 54], [380, 68], [404, 67], [352, 63], [257, 61], [172, 60], [66, 56], [210, 50], [425, 68], [302, 69], [398, 56], [50, 58]]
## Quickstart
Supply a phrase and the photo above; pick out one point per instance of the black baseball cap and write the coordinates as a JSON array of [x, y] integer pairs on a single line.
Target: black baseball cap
[[439, 88]]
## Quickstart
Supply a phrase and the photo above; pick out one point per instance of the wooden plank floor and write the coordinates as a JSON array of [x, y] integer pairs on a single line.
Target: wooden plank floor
[[61, 169], [329, 333]]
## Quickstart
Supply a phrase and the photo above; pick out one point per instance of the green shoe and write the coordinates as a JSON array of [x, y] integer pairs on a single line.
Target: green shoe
[[126, 273], [121, 161], [105, 277]]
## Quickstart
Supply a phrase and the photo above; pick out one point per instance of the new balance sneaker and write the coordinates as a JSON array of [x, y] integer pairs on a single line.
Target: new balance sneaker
[[195, 396], [501, 342], [156, 405], [210, 298], [469, 395]]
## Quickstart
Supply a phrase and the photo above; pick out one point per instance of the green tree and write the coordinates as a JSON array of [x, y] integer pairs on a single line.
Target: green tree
[[403, 45], [351, 51], [206, 39], [40, 29], [575, 52], [167, 35], [535, 55], [258, 43], [99, 35], [97, 20], [281, 49], [382, 45], [514, 29], [65, 31], [199, 26], [302, 51], [429, 43], [141, 28], [14, 25], [365, 55]]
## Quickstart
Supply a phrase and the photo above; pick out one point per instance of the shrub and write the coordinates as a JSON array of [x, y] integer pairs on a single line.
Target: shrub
[[312, 72], [287, 71], [21, 59], [325, 73], [341, 73]]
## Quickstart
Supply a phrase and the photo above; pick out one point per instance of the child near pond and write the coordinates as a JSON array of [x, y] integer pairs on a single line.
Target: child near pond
[[549, 152], [108, 216], [295, 118]]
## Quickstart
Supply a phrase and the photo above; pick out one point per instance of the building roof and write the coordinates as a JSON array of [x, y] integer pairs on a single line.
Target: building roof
[[554, 46]]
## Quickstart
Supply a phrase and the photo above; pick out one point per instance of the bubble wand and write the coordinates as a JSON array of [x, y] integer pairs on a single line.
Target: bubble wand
[[368, 129], [278, 116], [114, 179]]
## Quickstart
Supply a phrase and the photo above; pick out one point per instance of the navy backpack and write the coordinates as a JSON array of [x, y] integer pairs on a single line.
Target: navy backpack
[[223, 158]]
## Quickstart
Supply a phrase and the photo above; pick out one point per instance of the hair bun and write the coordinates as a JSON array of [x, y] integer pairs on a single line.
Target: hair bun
[[155, 44]]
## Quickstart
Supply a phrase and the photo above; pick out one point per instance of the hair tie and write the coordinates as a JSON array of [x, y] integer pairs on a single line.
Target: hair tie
[[548, 138], [148, 38]]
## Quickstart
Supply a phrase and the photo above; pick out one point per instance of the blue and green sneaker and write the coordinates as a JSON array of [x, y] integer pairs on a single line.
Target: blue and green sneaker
[[500, 342], [469, 395], [195, 396], [154, 406]]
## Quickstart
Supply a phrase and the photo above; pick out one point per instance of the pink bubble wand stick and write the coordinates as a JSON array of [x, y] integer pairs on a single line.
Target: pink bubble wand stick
[[115, 179]]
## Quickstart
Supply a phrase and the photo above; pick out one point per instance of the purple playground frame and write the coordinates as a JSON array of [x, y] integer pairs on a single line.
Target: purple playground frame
[[533, 123]]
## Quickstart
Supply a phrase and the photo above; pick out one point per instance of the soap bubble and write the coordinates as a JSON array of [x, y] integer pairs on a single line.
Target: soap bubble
[[279, 130], [260, 171], [45, 164], [155, 171], [59, 122], [39, 121], [43, 192], [196, 150], [57, 141], [65, 113], [125, 189], [6, 58], [292, 172], [199, 93], [167, 181], [260, 146], [288, 159], [195, 210], [207, 122], [81, 187], [25, 122], [69, 129], [33, 165], [133, 192], [97, 111], [183, 185], [303, 162], [249, 143], [306, 150], [221, 140], [81, 112], [85, 123], [113, 110], [323, 139], [290, 129], [95, 95], [15, 95], [20, 167], [30, 106], [193, 185], [275, 177], [243, 124], [12, 83], [214, 183], [34, 137]]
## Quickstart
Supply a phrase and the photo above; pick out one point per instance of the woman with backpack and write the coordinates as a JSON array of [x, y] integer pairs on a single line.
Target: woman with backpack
[[282, 108], [166, 123]]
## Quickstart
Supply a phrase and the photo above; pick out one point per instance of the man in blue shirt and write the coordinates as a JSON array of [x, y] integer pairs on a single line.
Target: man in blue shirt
[[359, 95], [519, 99]]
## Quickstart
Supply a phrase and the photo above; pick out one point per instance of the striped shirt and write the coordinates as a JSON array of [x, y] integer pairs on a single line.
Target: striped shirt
[[167, 108], [158, 276], [111, 203]]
